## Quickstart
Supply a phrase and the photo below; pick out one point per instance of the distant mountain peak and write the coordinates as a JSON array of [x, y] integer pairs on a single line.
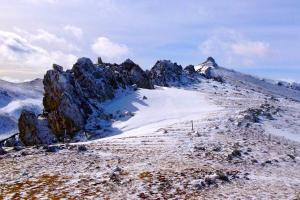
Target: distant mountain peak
[[210, 61], [128, 61]]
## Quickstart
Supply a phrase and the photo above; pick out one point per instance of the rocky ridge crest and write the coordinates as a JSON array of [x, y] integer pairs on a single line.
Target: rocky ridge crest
[[72, 98]]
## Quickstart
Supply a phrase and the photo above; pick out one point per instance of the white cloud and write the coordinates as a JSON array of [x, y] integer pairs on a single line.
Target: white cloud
[[232, 47], [108, 49], [75, 31], [251, 48], [26, 58], [48, 40]]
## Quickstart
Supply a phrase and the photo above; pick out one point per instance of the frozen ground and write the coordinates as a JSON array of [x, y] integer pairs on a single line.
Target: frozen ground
[[226, 156]]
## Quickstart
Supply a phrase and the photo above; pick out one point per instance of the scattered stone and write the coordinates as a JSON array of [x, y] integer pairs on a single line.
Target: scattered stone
[[254, 161], [217, 149], [199, 148], [52, 149], [268, 162], [222, 176], [144, 98], [81, 148], [198, 184], [211, 179], [236, 153], [115, 177], [117, 169], [291, 156]]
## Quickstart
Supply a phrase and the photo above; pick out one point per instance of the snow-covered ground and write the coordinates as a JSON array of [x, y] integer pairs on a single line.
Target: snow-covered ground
[[156, 154], [153, 109]]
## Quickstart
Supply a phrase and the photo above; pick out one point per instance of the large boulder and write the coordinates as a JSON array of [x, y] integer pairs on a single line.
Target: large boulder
[[166, 73], [34, 130]]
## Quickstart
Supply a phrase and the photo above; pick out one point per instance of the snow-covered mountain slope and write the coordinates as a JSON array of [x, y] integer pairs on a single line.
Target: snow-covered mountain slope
[[14, 97], [251, 82]]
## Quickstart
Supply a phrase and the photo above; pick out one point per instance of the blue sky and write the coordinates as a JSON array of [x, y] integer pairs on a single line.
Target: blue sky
[[257, 37]]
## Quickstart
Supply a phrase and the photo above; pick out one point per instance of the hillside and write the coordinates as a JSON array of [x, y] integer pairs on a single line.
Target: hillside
[[207, 132], [14, 97]]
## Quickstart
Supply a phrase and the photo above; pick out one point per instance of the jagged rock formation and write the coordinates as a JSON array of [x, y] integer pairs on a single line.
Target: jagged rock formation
[[132, 74], [34, 130], [206, 68], [72, 98], [190, 69], [166, 73]]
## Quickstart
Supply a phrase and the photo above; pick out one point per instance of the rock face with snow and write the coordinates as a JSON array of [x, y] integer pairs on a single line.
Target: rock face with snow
[[132, 74], [34, 130], [62, 102], [72, 98], [190, 69], [166, 73], [206, 68]]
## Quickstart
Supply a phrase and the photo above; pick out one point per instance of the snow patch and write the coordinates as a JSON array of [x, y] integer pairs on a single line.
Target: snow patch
[[162, 106]]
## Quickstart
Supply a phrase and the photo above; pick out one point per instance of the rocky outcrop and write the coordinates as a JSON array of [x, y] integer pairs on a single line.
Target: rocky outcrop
[[206, 68], [72, 98], [133, 74], [295, 86], [166, 73], [62, 102], [34, 130], [190, 69]]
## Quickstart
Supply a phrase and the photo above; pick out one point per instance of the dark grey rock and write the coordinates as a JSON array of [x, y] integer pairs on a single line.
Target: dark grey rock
[[34, 130], [166, 73], [52, 149], [190, 69], [81, 148], [2, 151]]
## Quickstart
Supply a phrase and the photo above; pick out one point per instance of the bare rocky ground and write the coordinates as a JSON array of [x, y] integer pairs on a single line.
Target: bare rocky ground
[[229, 155]]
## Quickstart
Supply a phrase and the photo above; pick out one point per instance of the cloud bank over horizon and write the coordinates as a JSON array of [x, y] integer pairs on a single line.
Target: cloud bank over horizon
[[261, 38]]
